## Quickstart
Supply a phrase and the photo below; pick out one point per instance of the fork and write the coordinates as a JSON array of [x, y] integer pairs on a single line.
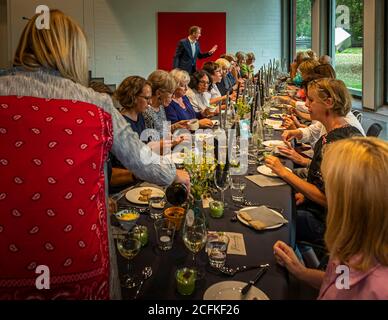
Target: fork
[[230, 271]]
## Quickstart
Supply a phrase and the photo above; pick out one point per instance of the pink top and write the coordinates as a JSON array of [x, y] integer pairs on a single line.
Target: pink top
[[369, 285]]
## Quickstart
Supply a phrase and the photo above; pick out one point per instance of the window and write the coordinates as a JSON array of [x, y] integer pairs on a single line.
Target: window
[[303, 25], [348, 42]]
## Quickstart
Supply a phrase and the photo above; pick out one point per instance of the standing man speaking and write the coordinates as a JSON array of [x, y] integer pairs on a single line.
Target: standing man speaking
[[188, 51]]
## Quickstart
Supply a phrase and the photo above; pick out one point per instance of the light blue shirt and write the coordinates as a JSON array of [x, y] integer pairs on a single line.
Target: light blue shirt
[[192, 47]]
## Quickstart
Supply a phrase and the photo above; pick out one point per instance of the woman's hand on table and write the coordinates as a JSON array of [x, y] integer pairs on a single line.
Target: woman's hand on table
[[291, 154], [291, 134], [180, 125], [276, 166], [205, 123], [299, 198], [286, 257]]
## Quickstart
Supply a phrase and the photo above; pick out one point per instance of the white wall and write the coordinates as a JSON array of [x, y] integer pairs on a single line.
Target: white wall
[[122, 33], [125, 40]]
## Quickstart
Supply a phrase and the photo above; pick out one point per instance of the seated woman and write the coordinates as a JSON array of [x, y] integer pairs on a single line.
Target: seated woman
[[53, 197], [180, 108], [247, 68], [198, 92], [355, 172], [216, 76], [234, 72], [133, 95], [300, 57], [329, 101], [163, 87], [228, 81]]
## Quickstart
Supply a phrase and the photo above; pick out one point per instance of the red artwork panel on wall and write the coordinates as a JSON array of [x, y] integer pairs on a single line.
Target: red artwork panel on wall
[[173, 26]]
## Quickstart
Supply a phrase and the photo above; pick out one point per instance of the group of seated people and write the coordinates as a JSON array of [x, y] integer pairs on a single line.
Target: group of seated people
[[57, 133], [165, 102], [336, 194]]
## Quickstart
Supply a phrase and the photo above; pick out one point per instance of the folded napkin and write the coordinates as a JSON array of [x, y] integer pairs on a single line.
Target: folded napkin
[[261, 217], [264, 181], [309, 153]]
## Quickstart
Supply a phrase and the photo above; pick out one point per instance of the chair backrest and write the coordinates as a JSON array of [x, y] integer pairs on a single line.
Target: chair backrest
[[358, 115], [374, 130]]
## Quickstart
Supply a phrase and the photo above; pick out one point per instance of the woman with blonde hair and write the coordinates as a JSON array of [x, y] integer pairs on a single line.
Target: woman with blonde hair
[[300, 57], [329, 102], [56, 135], [227, 81], [180, 108], [163, 87], [355, 172]]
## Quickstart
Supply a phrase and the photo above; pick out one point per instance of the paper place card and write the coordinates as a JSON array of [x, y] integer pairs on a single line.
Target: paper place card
[[236, 244], [206, 201]]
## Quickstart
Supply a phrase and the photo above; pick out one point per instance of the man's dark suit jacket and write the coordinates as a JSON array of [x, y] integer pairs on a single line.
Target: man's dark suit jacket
[[184, 59]]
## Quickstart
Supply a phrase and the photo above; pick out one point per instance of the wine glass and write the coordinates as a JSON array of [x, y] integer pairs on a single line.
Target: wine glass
[[129, 246], [194, 235], [222, 182]]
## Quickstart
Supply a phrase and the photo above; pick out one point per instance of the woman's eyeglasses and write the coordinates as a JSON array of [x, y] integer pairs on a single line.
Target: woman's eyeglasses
[[204, 82], [146, 98]]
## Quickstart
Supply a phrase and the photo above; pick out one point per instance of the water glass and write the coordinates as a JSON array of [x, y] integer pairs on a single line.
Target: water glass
[[217, 247], [237, 188], [165, 230], [156, 206]]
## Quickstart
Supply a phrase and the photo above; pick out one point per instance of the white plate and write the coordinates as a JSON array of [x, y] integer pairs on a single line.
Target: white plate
[[231, 290], [268, 228], [274, 143], [267, 171], [278, 127], [134, 194]]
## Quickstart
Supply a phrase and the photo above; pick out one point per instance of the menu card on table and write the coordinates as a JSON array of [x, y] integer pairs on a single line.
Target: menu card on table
[[236, 243]]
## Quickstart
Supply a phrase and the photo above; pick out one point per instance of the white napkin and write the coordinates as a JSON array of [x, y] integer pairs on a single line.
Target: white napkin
[[261, 217], [264, 181]]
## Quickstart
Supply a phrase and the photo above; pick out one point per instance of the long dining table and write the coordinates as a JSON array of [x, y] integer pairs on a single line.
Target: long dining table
[[258, 244]]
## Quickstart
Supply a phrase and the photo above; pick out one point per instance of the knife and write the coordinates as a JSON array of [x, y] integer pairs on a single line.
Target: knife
[[263, 270]]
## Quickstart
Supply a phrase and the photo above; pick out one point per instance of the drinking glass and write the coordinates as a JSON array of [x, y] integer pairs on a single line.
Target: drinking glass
[[165, 230], [238, 187], [222, 182], [217, 247], [194, 235], [156, 206], [128, 246]]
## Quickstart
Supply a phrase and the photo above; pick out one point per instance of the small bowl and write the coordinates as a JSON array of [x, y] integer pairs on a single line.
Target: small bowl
[[175, 215], [127, 218]]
